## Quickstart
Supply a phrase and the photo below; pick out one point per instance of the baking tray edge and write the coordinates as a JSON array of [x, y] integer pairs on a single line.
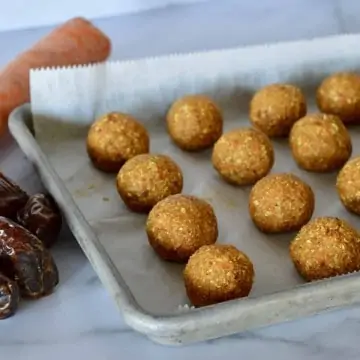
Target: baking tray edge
[[189, 326]]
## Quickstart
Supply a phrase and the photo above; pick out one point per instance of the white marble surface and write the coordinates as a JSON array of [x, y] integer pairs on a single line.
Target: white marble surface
[[80, 321], [44, 13]]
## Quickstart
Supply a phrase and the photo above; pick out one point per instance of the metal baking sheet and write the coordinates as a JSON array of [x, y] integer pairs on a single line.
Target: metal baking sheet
[[150, 292]]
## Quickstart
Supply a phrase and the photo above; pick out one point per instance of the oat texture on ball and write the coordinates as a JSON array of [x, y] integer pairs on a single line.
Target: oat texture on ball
[[194, 122], [348, 185], [339, 94], [179, 225], [146, 179], [281, 203], [275, 108], [243, 156], [326, 247], [115, 138], [217, 273], [320, 143]]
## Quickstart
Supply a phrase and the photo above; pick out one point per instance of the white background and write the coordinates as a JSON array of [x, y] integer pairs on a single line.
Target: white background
[[19, 14]]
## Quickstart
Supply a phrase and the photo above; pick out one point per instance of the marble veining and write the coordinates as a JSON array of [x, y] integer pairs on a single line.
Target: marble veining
[[80, 321]]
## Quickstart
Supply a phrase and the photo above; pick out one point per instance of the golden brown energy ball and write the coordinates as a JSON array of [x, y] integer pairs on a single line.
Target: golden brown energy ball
[[217, 273], [320, 143], [348, 185], [115, 138], [339, 94], [194, 122], [243, 156], [179, 225], [326, 247], [281, 203], [275, 108], [146, 179]]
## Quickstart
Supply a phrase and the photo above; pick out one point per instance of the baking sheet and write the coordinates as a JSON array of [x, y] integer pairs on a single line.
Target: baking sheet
[[66, 101]]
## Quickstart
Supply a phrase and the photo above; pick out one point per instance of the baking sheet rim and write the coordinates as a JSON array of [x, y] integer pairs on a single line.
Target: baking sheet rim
[[194, 325]]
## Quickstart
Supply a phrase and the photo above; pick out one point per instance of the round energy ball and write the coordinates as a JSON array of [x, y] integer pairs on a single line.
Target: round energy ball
[[325, 247], [179, 225], [348, 185], [115, 138], [243, 156], [281, 203], [275, 108], [339, 94], [146, 179], [194, 122], [320, 143], [217, 273]]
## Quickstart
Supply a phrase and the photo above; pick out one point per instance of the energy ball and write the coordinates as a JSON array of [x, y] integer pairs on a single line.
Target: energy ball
[[326, 247], [348, 185], [115, 138], [146, 179], [194, 122], [275, 108], [281, 203], [217, 273], [320, 143], [243, 156], [179, 225], [339, 94]]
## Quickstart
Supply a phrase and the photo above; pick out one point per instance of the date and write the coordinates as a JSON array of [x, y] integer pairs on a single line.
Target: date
[[24, 258], [9, 297], [12, 197], [42, 217]]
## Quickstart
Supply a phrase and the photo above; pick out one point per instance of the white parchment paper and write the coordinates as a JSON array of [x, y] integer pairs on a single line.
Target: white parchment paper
[[65, 101]]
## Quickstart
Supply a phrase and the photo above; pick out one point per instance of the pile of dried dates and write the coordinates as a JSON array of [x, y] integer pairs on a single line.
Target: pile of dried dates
[[29, 226]]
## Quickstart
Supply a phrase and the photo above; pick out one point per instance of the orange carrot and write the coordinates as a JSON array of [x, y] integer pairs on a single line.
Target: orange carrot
[[73, 43]]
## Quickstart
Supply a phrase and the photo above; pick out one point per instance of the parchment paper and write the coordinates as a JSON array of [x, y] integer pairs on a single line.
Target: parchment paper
[[66, 101]]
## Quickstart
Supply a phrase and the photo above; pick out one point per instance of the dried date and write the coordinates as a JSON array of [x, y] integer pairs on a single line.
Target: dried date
[[24, 258], [9, 297], [42, 217], [12, 197]]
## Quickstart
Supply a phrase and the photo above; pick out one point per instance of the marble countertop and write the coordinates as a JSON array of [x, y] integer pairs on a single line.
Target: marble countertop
[[80, 321]]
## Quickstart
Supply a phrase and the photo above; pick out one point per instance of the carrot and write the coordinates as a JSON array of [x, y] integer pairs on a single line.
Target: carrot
[[75, 42]]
